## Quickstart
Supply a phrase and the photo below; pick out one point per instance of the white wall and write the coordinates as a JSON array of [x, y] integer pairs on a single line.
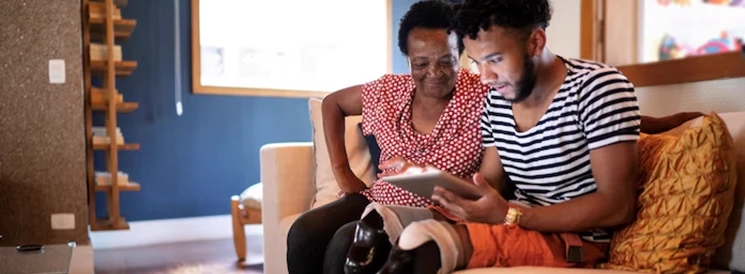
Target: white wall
[[563, 31]]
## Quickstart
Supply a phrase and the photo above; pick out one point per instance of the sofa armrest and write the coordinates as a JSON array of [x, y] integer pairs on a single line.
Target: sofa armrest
[[288, 180], [287, 176]]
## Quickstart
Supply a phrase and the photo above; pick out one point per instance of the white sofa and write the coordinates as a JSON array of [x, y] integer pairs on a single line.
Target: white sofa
[[291, 187]]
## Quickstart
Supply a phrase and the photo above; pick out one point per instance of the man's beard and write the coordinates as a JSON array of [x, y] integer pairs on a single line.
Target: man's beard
[[527, 81]]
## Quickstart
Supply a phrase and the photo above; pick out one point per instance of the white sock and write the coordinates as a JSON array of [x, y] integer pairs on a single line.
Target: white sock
[[395, 218], [443, 234]]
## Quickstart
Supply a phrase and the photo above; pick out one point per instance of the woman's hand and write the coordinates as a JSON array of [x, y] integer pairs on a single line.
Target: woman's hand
[[399, 165], [491, 208], [350, 183]]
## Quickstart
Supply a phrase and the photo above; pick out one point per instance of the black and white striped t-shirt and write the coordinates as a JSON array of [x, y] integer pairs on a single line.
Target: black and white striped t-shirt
[[550, 163]]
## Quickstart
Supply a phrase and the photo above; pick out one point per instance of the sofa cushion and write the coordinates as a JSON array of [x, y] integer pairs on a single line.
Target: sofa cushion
[[686, 194], [726, 257], [357, 152], [551, 270], [251, 197]]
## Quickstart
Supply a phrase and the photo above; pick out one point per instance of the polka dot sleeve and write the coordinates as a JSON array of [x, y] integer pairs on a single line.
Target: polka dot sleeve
[[370, 106]]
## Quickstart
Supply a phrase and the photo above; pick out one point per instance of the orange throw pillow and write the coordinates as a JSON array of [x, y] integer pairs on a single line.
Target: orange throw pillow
[[685, 196]]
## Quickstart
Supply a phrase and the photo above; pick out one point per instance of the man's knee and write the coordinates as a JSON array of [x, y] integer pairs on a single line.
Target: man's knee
[[445, 235], [465, 241], [417, 233]]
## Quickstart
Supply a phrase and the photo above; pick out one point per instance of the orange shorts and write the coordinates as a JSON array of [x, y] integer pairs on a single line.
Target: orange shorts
[[509, 246]]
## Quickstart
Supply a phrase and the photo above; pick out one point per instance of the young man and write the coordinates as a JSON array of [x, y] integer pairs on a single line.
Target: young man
[[563, 132]]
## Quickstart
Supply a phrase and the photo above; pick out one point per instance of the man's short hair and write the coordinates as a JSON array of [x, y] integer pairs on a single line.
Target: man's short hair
[[522, 15]]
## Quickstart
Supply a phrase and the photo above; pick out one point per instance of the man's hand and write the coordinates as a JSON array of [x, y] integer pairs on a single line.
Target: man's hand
[[491, 208]]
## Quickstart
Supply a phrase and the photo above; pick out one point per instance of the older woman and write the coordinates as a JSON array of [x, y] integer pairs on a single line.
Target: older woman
[[429, 116]]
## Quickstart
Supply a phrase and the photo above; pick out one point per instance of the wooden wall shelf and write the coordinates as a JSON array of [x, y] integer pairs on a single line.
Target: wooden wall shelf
[[123, 28], [107, 224], [123, 68], [118, 3], [132, 186], [122, 107], [102, 23], [103, 105], [101, 90], [119, 37], [118, 147]]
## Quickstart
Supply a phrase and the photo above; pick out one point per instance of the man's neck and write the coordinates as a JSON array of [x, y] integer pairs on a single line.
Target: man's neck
[[550, 74]]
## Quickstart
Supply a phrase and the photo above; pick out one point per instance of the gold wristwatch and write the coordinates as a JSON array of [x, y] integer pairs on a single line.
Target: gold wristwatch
[[513, 216]]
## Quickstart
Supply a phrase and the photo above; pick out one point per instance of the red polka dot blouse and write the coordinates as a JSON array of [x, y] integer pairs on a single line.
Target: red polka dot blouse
[[454, 145]]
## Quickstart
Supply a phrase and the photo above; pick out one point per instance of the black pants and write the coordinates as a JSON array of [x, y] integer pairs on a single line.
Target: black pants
[[309, 236]]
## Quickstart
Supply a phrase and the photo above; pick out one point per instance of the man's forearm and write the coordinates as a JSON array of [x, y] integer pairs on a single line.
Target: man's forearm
[[596, 210]]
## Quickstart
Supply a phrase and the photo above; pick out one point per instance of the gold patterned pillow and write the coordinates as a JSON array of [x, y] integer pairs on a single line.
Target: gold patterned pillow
[[685, 196]]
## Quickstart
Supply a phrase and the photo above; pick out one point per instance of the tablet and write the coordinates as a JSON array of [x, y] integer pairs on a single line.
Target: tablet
[[424, 183]]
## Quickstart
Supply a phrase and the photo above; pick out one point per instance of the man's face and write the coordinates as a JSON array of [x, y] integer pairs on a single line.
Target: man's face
[[503, 61]]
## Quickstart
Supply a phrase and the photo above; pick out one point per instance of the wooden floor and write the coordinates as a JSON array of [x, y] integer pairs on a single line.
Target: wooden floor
[[217, 256]]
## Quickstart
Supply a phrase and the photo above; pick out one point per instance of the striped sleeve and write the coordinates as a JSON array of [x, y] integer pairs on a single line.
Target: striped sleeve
[[486, 129], [608, 109]]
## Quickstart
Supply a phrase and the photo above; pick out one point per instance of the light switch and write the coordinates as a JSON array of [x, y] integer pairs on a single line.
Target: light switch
[[56, 71], [61, 221]]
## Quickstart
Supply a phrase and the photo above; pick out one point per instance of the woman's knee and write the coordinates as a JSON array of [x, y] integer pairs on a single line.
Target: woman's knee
[[317, 226], [305, 229]]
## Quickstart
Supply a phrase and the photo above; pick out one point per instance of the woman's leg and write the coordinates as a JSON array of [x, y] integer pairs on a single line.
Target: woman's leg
[[336, 252], [337, 249], [311, 232], [393, 219], [424, 259], [376, 232], [426, 247]]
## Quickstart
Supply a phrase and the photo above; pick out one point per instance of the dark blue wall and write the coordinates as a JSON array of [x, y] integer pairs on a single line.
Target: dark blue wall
[[190, 165], [400, 7]]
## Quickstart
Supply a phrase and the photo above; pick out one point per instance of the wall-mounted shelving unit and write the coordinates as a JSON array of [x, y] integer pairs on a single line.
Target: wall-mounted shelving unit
[[104, 28]]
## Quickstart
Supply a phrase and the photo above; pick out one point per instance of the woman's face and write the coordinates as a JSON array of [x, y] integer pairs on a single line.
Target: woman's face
[[433, 58]]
